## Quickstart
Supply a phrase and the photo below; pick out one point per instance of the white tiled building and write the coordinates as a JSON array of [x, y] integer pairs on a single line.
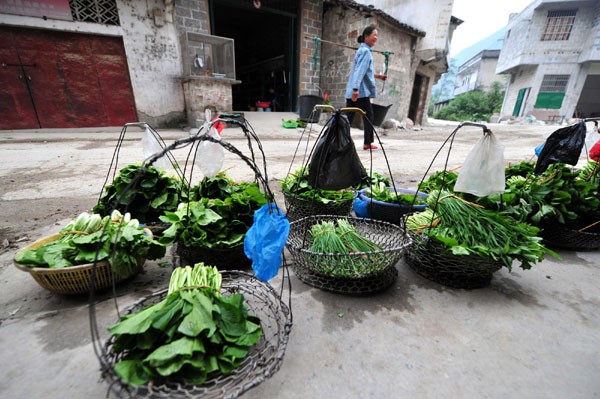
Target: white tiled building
[[552, 52]]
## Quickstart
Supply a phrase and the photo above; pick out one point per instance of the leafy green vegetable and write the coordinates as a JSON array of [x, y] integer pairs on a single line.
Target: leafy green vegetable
[[375, 181], [343, 239], [466, 229], [154, 193], [441, 180], [591, 173], [214, 223], [385, 194], [297, 184], [193, 332], [78, 244]]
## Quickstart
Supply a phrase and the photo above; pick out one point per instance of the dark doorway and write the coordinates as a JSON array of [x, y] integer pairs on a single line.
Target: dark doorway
[[417, 98], [588, 105], [265, 51]]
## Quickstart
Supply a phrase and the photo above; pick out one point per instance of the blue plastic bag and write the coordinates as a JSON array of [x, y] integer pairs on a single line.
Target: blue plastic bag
[[538, 149], [361, 208], [265, 240]]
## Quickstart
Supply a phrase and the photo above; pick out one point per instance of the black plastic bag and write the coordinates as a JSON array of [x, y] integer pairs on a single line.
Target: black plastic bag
[[563, 146], [335, 164]]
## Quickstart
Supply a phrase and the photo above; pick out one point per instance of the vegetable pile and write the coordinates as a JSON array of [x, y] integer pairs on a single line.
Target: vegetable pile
[[214, 223], [193, 332], [79, 241], [296, 184], [343, 239], [385, 194], [468, 229], [154, 193]]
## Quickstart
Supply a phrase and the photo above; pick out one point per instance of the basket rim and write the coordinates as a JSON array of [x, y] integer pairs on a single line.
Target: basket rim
[[45, 270], [404, 245]]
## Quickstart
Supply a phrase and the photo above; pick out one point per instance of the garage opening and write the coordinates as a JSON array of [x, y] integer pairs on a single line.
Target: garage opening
[[588, 105], [265, 50]]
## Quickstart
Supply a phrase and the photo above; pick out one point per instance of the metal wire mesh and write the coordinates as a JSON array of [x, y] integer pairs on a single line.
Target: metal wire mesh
[[560, 236], [352, 286], [223, 258], [263, 360], [429, 259], [298, 207], [390, 237]]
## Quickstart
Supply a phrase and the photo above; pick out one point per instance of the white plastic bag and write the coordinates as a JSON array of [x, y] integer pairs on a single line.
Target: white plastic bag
[[209, 155], [151, 146], [483, 170]]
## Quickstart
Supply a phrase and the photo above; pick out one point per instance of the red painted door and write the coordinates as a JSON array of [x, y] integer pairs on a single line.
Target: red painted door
[[16, 106], [73, 80]]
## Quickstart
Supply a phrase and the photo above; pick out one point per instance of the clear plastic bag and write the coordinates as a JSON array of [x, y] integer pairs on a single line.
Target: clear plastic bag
[[209, 155], [151, 146], [483, 170]]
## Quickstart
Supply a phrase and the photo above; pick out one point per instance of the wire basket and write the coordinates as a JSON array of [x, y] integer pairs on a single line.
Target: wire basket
[[299, 207], [390, 237], [263, 360], [223, 258], [560, 236], [429, 259], [75, 279], [353, 286]]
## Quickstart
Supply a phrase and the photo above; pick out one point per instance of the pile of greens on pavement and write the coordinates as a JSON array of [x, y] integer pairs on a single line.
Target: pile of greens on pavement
[[468, 229], [122, 242], [214, 223], [383, 193], [193, 332], [154, 193], [296, 184]]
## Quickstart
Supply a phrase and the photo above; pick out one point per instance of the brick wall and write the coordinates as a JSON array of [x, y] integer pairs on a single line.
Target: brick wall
[[344, 26], [311, 25], [191, 16], [201, 94]]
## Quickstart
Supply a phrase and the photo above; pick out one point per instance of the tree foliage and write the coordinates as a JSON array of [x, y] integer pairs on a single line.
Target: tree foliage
[[473, 105]]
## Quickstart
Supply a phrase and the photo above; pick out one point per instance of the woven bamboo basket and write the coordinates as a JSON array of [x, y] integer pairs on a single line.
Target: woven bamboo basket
[[74, 279]]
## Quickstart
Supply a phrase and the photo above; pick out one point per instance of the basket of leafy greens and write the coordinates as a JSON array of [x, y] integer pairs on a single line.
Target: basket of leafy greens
[[302, 200], [63, 263], [345, 247], [212, 230], [210, 334], [462, 244], [154, 193], [391, 203]]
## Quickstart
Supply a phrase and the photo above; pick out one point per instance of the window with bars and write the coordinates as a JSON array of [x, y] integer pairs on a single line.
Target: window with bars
[[99, 11], [559, 24], [554, 83]]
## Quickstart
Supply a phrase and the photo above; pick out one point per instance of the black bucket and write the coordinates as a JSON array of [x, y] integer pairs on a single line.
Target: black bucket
[[307, 104], [379, 113]]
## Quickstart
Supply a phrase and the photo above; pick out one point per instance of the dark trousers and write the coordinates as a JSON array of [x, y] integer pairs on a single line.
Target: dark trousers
[[363, 103]]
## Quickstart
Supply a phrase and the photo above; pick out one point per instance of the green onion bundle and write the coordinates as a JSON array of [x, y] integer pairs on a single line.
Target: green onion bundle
[[352, 240], [326, 240]]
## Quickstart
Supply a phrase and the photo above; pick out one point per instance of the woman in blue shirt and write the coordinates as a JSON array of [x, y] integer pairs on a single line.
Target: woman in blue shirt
[[361, 85]]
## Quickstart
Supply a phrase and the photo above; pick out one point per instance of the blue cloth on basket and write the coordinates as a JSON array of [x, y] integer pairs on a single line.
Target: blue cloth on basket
[[361, 208], [265, 240]]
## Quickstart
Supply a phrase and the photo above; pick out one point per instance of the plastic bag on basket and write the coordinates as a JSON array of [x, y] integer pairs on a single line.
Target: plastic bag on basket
[[209, 155], [335, 164], [265, 240], [483, 170], [151, 146], [563, 146]]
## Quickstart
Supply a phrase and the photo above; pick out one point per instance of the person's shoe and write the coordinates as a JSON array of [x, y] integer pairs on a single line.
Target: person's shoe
[[370, 147]]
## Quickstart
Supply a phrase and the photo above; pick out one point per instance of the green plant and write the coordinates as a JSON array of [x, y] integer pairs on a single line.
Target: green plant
[[296, 184], [154, 193], [193, 332], [120, 238]]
